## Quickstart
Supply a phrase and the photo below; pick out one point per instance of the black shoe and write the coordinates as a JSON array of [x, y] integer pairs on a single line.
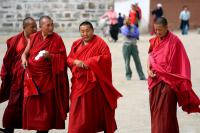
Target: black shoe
[[2, 130], [6, 130]]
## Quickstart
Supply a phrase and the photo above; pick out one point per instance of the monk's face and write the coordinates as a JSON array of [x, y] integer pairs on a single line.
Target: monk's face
[[160, 30], [47, 26], [30, 28], [86, 32]]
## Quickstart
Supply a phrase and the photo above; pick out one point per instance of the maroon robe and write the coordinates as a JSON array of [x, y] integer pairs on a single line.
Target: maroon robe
[[12, 81], [93, 97], [168, 59], [48, 109]]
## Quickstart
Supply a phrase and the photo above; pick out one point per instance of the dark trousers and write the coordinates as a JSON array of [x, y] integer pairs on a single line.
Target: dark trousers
[[130, 49], [114, 30], [184, 27]]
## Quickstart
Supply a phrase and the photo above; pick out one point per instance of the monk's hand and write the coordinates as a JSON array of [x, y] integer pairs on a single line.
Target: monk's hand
[[24, 62], [151, 73], [84, 66], [46, 55], [80, 64]]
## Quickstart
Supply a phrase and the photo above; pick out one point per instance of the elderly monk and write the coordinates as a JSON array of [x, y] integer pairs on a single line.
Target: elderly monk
[[169, 80], [12, 77], [93, 97], [45, 62]]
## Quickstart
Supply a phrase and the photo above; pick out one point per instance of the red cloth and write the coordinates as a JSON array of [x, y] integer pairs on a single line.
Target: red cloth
[[140, 12], [133, 17], [12, 82], [163, 107], [32, 87], [20, 45], [169, 60], [41, 112], [97, 78]]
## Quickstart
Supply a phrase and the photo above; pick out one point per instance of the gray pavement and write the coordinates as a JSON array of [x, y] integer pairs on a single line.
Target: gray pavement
[[132, 114]]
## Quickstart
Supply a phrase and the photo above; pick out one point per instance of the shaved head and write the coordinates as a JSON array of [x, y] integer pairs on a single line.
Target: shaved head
[[46, 25], [29, 26], [161, 21], [86, 23], [161, 27], [43, 18], [87, 31], [27, 21]]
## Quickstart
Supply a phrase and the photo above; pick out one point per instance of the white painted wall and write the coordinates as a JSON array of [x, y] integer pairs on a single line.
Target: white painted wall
[[124, 7]]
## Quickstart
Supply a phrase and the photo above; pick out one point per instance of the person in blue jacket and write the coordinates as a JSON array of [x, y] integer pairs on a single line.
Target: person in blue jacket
[[131, 33]]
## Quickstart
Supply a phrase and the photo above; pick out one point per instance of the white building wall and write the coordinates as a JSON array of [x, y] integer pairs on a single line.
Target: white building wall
[[124, 7]]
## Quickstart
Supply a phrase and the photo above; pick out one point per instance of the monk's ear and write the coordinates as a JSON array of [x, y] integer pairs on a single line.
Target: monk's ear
[[24, 26]]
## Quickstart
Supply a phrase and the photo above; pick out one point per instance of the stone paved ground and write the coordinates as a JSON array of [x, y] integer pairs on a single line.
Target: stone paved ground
[[133, 114]]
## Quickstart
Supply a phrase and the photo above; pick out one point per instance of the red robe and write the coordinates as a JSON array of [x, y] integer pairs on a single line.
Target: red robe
[[93, 97], [133, 17], [12, 81], [169, 60], [48, 109]]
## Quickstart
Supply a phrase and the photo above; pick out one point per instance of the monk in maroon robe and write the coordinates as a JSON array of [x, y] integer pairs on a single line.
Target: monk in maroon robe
[[169, 80], [12, 77], [45, 62], [93, 97]]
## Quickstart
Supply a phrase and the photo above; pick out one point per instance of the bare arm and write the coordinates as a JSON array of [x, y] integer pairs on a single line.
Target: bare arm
[[25, 54]]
